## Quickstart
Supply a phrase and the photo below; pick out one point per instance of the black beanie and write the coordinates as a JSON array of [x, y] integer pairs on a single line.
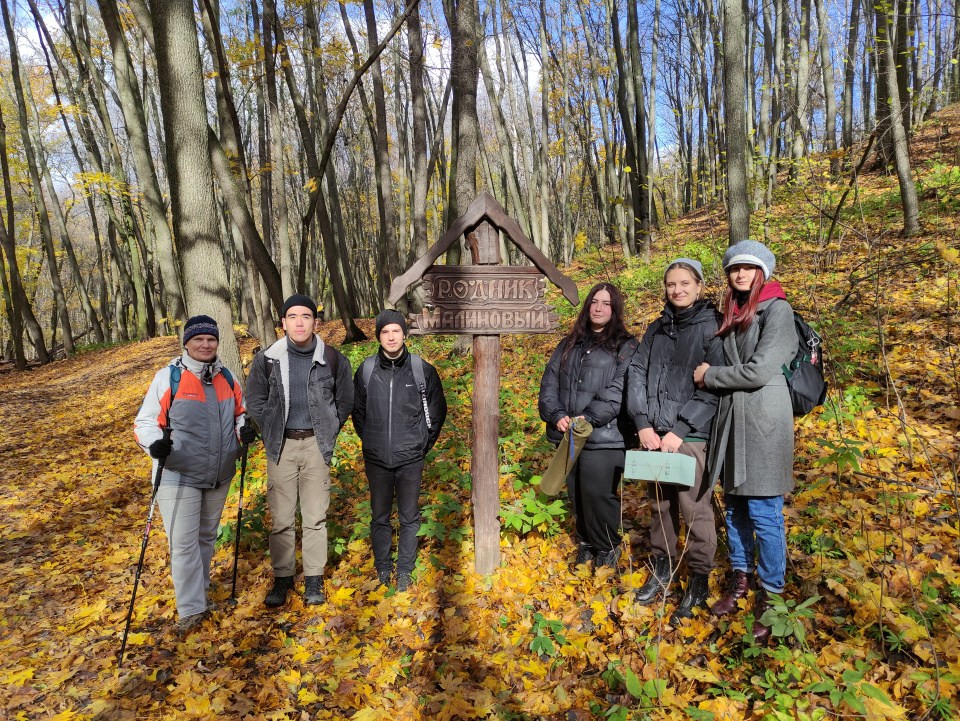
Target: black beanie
[[297, 299], [389, 316], [200, 325]]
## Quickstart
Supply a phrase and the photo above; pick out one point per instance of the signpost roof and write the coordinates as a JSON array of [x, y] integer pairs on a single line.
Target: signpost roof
[[485, 207]]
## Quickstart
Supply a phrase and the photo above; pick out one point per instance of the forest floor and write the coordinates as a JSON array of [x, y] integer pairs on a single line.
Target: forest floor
[[873, 525]]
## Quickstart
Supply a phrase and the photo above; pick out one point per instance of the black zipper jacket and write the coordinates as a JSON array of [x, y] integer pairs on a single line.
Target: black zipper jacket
[[388, 413], [660, 390], [589, 385]]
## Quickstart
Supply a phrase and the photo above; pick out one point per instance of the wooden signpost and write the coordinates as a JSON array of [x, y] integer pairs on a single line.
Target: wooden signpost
[[485, 300]]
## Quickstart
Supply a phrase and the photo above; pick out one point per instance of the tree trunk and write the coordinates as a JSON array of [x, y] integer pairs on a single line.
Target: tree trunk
[[191, 177], [132, 105], [277, 165], [734, 94], [802, 94], [21, 312], [830, 96], [901, 150], [37, 189], [849, 76]]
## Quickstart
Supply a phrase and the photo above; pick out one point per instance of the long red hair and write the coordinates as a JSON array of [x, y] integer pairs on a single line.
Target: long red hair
[[739, 319]]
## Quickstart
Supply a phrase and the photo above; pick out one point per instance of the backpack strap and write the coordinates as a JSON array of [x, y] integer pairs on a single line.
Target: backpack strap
[[330, 355], [417, 366], [366, 370], [175, 372]]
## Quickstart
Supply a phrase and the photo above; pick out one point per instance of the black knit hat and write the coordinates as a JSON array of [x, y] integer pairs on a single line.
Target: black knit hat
[[297, 299], [200, 325], [389, 316]]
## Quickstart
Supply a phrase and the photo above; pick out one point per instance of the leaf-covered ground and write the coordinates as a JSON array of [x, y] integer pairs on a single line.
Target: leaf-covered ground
[[873, 528]]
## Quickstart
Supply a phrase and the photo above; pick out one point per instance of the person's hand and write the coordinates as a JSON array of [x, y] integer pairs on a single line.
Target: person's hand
[[670, 443], [649, 439], [161, 449], [563, 425], [698, 374], [247, 434]]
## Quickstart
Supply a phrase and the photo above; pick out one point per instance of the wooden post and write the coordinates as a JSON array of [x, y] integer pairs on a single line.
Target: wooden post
[[485, 467], [485, 301], [484, 245]]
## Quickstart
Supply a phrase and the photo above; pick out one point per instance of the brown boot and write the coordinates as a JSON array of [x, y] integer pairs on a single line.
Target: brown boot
[[761, 605], [738, 588]]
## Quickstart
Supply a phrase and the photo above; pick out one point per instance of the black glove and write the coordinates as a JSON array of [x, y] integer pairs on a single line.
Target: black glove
[[247, 434], [161, 449]]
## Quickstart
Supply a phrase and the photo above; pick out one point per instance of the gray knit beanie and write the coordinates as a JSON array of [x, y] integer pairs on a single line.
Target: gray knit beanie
[[695, 264], [751, 252]]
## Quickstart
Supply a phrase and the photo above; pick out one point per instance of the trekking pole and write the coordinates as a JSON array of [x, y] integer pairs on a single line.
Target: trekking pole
[[236, 548], [143, 547]]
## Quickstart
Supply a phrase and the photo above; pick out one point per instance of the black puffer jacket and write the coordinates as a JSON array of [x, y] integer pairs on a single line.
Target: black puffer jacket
[[660, 390], [388, 413], [590, 385]]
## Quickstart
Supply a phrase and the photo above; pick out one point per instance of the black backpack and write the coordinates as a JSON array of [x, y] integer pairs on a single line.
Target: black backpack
[[808, 389]]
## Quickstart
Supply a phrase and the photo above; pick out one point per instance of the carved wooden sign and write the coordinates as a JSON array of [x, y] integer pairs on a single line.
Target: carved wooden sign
[[484, 299]]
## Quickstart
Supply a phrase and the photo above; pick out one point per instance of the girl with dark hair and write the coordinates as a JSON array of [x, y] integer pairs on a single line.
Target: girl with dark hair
[[752, 437], [584, 378], [673, 416]]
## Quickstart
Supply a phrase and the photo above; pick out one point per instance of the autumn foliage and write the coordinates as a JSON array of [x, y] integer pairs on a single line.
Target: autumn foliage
[[868, 625]]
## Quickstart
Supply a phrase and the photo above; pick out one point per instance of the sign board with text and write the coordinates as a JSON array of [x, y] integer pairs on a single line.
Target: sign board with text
[[480, 299]]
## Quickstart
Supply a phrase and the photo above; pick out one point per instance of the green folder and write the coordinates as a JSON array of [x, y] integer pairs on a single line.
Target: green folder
[[661, 467]]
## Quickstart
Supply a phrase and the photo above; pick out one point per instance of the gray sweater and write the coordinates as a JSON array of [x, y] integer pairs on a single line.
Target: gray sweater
[[300, 361], [752, 438]]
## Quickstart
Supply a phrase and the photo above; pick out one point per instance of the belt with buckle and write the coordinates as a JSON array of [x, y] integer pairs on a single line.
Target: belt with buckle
[[297, 434]]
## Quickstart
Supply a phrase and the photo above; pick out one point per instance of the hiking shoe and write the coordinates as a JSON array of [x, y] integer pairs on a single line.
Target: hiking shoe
[[698, 588], [188, 623], [739, 587], [657, 584], [384, 576], [761, 604], [313, 591], [403, 581], [607, 558], [278, 594], [584, 554]]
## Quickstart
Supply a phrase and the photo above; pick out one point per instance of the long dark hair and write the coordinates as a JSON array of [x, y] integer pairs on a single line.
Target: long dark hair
[[613, 333], [740, 321]]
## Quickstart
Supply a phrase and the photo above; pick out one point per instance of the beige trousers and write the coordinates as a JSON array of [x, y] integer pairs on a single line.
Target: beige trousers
[[301, 471]]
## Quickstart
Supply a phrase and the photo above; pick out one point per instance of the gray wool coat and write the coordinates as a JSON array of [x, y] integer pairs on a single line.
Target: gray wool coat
[[752, 437]]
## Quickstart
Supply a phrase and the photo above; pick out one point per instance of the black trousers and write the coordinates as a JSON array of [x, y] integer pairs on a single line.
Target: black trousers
[[592, 490], [402, 483]]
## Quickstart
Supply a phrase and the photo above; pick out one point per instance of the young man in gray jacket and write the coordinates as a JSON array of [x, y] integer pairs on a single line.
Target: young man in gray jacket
[[300, 394]]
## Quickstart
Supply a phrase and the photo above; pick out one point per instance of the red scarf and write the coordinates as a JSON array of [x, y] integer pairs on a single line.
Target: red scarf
[[770, 289]]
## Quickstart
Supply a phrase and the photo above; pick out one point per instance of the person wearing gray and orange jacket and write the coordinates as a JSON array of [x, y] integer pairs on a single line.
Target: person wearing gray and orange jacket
[[197, 398]]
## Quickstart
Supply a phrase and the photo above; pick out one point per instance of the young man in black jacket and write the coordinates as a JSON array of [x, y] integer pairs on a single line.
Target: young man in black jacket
[[398, 412]]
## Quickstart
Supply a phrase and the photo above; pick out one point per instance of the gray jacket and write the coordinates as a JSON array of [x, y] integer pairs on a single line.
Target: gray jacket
[[329, 394], [752, 437]]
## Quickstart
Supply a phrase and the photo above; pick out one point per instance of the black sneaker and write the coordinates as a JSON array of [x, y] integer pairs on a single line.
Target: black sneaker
[[698, 589], [657, 585], [608, 558], [584, 554], [313, 591], [384, 577], [403, 581], [278, 594]]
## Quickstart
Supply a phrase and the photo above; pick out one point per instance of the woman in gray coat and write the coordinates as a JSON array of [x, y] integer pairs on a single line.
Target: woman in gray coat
[[752, 437]]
